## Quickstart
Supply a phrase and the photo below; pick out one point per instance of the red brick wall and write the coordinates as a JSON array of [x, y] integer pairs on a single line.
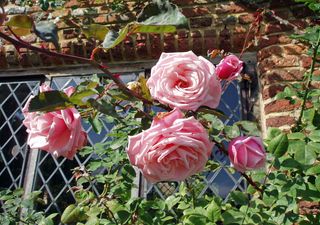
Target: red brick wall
[[213, 24]]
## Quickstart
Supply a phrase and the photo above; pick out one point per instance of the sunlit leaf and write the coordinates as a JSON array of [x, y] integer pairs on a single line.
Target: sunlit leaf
[[114, 38], [96, 31], [141, 28], [162, 12], [20, 21]]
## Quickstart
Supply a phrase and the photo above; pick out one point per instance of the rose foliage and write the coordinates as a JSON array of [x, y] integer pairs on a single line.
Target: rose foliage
[[168, 129]]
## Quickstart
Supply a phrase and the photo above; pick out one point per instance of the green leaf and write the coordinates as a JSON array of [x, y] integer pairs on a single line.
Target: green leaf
[[103, 107], [216, 125], [49, 101], [141, 28], [130, 170], [96, 124], [123, 216], [96, 31], [232, 131], [78, 97], [248, 127], [114, 38], [296, 136], [278, 146], [162, 13], [290, 163], [72, 214], [20, 21], [313, 170], [314, 146], [239, 197], [305, 156], [171, 201], [232, 217], [214, 212], [314, 135], [273, 132]]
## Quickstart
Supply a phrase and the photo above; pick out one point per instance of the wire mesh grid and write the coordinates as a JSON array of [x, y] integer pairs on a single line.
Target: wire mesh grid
[[54, 175], [220, 182], [13, 147]]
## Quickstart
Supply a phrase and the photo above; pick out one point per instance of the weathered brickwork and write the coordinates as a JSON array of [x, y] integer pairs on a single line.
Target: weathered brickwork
[[213, 24]]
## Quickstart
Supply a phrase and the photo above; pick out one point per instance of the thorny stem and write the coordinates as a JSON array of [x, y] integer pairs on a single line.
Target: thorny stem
[[22, 44], [309, 80]]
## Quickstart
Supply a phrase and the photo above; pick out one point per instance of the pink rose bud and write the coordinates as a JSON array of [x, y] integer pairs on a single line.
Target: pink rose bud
[[185, 81], [172, 149], [247, 153], [59, 133], [229, 68]]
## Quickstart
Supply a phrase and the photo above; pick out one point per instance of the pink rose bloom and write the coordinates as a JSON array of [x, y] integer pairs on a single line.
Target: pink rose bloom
[[59, 133], [247, 153], [229, 68], [172, 149], [185, 81]]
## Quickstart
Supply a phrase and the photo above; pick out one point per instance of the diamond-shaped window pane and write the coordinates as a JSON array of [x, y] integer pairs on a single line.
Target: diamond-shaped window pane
[[221, 182], [13, 148], [54, 176]]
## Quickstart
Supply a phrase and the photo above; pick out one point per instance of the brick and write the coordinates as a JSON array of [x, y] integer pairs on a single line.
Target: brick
[[295, 49], [265, 41], [277, 28], [230, 7], [169, 43], [272, 91], [129, 48], [156, 45], [200, 22], [306, 61], [183, 41], [283, 105], [269, 51], [31, 38], [283, 75], [278, 61], [225, 40], [197, 42], [116, 53], [281, 3], [300, 11], [246, 18], [141, 46], [3, 59], [238, 42], [195, 11], [280, 121]]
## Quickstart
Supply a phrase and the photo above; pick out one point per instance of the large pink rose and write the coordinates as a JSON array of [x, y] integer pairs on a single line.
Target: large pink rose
[[172, 149], [185, 81], [59, 133], [229, 68], [247, 153]]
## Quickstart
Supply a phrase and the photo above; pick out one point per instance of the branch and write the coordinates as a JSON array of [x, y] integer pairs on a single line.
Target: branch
[[250, 181], [22, 44], [309, 78]]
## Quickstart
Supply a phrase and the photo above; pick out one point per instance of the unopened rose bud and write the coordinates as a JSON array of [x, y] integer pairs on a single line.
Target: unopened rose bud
[[247, 153], [229, 68]]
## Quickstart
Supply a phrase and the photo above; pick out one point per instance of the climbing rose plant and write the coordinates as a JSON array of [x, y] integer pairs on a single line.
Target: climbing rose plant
[[167, 127]]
